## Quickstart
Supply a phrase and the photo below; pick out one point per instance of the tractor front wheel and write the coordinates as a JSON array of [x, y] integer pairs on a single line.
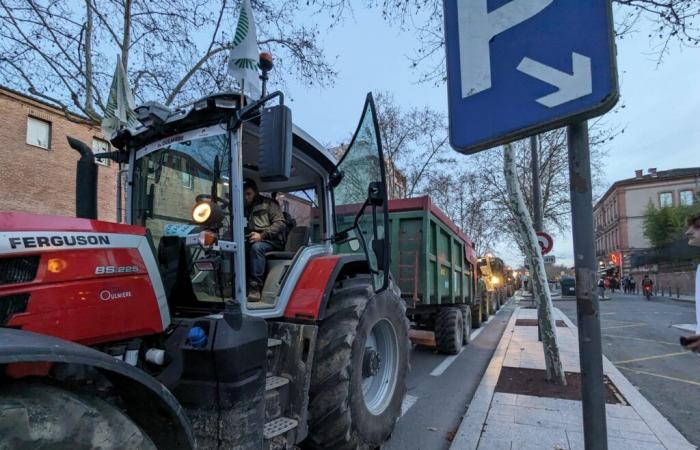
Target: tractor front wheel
[[358, 379], [37, 415]]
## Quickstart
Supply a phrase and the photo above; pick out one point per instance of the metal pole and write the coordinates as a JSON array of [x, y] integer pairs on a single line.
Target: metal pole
[[590, 353]]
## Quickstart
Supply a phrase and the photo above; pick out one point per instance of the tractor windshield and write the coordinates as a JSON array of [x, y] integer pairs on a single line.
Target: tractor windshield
[[169, 174]]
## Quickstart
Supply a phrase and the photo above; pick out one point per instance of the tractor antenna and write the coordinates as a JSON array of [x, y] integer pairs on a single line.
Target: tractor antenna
[[266, 66]]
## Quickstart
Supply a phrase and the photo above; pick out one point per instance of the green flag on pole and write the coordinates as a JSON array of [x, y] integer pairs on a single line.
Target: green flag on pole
[[119, 112], [243, 59]]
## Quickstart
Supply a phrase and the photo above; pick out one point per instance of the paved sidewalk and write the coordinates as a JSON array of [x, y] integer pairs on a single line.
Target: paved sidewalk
[[508, 421]]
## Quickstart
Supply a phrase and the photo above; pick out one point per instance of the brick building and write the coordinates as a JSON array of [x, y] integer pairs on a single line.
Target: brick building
[[618, 217], [37, 166]]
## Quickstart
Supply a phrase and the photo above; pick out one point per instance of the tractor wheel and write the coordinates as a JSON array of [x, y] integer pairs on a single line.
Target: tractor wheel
[[449, 330], [476, 316], [485, 308], [36, 415], [466, 324], [494, 302], [358, 379]]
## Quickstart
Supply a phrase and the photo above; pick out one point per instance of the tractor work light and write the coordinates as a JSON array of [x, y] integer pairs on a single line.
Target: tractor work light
[[495, 279], [207, 213]]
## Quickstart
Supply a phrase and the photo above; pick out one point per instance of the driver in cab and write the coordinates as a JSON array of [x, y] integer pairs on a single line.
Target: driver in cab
[[265, 232]]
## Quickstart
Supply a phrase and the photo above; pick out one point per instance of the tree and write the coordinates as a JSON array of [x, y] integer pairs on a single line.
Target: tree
[[174, 51], [415, 145], [664, 226], [543, 297]]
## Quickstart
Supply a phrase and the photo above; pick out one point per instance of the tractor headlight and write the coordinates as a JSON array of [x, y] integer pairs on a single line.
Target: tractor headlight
[[495, 279], [207, 213], [201, 212]]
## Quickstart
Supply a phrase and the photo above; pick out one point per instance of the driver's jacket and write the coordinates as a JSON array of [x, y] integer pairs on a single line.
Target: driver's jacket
[[265, 217]]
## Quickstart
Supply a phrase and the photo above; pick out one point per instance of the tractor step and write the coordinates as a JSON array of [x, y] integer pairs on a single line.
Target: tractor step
[[278, 426], [273, 382]]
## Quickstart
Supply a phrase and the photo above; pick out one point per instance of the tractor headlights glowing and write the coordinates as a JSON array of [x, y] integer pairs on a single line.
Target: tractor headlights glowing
[[201, 212], [207, 213], [495, 279]]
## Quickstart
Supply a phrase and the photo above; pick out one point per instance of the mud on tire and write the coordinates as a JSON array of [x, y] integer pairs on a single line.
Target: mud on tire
[[339, 417], [37, 415], [449, 327]]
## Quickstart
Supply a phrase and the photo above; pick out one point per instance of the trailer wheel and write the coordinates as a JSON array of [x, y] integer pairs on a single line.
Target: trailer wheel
[[449, 330], [36, 415], [358, 379], [476, 316], [485, 307], [467, 324]]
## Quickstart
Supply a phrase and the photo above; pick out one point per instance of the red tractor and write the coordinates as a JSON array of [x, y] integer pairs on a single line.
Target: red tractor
[[143, 335]]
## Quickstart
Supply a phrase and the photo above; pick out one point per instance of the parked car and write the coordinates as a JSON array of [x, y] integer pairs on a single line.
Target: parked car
[[568, 285]]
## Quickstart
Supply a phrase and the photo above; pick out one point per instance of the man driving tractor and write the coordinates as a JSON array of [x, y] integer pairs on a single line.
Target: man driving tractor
[[265, 232]]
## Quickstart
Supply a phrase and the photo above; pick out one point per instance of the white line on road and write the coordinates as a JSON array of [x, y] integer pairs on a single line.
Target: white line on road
[[447, 362], [408, 401]]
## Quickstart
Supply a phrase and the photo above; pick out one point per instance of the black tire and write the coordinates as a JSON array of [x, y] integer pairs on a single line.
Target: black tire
[[485, 307], [476, 316], [495, 302], [36, 415], [339, 417], [467, 324], [449, 330]]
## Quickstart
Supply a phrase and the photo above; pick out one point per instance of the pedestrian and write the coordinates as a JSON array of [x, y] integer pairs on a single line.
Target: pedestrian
[[633, 284], [692, 342], [613, 284], [601, 288]]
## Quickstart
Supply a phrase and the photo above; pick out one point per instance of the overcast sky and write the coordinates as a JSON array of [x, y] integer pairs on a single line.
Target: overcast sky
[[660, 114]]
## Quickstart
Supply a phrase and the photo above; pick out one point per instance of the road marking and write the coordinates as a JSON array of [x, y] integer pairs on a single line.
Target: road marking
[[408, 401], [608, 314], [625, 326], [685, 327], [675, 344], [651, 374], [646, 358], [475, 333], [447, 362]]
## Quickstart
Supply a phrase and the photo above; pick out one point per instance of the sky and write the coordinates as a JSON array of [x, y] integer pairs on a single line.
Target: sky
[[660, 114]]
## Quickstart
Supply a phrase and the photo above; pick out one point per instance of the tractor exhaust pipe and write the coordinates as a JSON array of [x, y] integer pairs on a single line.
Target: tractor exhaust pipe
[[85, 181]]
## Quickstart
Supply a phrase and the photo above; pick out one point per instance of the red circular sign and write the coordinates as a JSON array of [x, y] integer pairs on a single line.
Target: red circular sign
[[546, 242]]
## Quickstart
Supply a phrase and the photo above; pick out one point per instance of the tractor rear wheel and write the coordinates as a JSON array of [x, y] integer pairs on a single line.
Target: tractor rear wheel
[[467, 323], [358, 379], [449, 330], [37, 415], [485, 307]]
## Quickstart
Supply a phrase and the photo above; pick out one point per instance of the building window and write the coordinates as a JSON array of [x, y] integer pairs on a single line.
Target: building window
[[38, 132], [665, 199], [686, 198], [100, 146]]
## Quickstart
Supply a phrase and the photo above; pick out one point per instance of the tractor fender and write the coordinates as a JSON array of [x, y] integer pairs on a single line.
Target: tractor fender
[[147, 402], [313, 290]]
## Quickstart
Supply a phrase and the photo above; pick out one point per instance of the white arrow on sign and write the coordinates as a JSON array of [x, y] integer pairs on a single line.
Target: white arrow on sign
[[571, 86]]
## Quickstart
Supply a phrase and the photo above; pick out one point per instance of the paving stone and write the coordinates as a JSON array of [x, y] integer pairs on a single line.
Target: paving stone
[[505, 398], [614, 443]]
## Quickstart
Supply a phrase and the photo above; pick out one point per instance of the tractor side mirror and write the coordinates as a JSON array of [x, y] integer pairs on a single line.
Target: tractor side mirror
[[275, 144]]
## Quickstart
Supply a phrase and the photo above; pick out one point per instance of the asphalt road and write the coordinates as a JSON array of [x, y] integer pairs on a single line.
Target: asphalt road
[[638, 336], [440, 388]]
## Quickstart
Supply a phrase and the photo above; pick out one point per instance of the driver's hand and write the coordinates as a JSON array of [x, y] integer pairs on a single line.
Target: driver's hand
[[254, 237]]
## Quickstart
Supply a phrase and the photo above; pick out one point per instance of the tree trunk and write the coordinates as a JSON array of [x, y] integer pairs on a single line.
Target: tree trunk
[[126, 37], [538, 277], [89, 79]]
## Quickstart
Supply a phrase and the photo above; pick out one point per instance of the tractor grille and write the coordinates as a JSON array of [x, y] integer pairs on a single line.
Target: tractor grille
[[11, 305], [21, 269]]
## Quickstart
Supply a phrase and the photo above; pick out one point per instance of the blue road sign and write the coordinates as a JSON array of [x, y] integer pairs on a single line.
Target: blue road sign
[[521, 67]]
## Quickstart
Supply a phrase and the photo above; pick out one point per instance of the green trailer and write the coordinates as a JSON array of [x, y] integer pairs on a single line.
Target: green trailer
[[434, 265]]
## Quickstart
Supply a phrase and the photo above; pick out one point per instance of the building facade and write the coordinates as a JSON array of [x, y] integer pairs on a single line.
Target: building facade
[[618, 217], [37, 166]]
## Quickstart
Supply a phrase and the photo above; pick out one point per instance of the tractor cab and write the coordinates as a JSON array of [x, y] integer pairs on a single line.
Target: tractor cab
[[185, 185]]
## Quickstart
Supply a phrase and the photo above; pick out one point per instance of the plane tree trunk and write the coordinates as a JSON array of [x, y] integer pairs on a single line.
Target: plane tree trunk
[[538, 277]]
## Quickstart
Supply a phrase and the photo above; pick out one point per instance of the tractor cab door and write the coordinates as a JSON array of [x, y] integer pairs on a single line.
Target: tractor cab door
[[360, 198]]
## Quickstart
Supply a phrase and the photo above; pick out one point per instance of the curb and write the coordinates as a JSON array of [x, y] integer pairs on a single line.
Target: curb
[[469, 432], [669, 436]]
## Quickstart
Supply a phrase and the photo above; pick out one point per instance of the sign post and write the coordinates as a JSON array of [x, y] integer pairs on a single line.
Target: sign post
[[526, 67]]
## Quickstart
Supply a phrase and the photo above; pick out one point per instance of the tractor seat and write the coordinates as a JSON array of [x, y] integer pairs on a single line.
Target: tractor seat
[[297, 238]]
